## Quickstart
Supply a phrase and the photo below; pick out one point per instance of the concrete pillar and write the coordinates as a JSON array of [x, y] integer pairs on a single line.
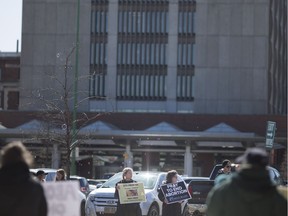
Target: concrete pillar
[[188, 161], [55, 157], [128, 156], [171, 85], [110, 85]]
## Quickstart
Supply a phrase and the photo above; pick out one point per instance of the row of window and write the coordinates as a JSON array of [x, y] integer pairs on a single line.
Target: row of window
[[184, 87], [185, 22], [97, 86], [185, 54], [99, 22], [143, 22], [143, 1], [142, 54], [144, 86], [98, 54]]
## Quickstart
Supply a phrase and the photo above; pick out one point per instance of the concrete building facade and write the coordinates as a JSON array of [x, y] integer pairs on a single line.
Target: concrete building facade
[[157, 58], [152, 56]]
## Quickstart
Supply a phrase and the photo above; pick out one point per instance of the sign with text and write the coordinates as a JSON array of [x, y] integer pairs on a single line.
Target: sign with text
[[270, 134], [63, 198], [131, 193], [175, 192]]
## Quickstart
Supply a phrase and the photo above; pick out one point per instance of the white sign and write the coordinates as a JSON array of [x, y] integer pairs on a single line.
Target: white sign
[[62, 198], [270, 134]]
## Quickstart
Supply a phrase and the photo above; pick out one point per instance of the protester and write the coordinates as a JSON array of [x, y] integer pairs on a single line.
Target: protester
[[20, 195], [132, 209], [249, 191], [224, 173], [41, 175], [173, 209], [60, 175], [226, 168]]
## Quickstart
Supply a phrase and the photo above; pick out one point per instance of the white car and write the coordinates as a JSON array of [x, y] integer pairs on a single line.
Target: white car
[[102, 200], [51, 177]]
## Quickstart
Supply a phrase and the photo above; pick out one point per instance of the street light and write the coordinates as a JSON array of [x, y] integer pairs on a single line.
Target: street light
[[75, 91]]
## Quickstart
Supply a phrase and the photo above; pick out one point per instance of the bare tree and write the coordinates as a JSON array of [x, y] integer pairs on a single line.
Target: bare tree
[[57, 111]]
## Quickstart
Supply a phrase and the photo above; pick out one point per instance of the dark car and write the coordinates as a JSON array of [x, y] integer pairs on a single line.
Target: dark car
[[84, 185], [200, 187]]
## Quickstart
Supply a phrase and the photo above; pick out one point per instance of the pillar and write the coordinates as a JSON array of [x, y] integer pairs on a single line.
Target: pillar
[[188, 161], [128, 156], [55, 157]]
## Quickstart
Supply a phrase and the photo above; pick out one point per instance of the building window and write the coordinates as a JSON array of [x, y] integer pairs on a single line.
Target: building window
[[136, 84], [98, 49], [142, 54], [186, 40]]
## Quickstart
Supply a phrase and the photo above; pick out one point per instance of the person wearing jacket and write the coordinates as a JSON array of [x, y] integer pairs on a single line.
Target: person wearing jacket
[[20, 194], [249, 191], [132, 209], [173, 209]]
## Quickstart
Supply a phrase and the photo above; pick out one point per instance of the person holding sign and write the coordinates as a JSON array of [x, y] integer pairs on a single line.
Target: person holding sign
[[131, 209], [173, 209]]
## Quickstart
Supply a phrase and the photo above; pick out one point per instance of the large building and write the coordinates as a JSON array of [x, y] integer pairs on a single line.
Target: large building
[[204, 76], [176, 56], [9, 80]]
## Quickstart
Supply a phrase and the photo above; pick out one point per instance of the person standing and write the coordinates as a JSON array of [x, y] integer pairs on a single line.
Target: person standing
[[60, 175], [226, 168], [20, 194], [173, 209], [249, 191], [224, 173], [132, 209]]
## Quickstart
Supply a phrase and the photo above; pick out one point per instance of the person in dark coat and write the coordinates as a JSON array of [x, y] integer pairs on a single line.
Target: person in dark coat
[[173, 209], [19, 194], [132, 209], [249, 191]]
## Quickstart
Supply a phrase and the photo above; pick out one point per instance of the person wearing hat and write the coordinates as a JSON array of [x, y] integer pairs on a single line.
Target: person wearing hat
[[249, 191], [41, 175]]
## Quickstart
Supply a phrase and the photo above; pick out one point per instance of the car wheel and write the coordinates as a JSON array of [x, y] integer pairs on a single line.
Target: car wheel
[[82, 209], [153, 211]]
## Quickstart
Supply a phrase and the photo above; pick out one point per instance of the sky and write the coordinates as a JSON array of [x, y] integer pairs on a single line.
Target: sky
[[10, 24]]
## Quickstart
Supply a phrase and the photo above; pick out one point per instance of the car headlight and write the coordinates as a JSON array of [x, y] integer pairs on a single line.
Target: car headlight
[[90, 207]]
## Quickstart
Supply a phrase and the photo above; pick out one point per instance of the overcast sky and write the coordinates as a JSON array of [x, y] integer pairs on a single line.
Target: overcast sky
[[10, 24]]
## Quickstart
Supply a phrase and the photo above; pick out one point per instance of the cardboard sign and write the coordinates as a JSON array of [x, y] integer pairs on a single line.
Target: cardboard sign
[[62, 198], [175, 192], [131, 193]]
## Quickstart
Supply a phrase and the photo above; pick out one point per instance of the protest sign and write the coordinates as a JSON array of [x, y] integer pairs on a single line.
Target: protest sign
[[175, 192], [63, 198], [131, 193]]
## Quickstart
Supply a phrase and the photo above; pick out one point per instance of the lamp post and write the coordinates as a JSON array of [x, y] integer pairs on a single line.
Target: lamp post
[[75, 92]]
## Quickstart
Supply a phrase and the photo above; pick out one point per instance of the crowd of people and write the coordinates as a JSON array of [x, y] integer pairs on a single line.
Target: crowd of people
[[248, 191]]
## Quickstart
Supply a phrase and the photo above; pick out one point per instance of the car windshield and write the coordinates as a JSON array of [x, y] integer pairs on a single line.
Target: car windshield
[[148, 179]]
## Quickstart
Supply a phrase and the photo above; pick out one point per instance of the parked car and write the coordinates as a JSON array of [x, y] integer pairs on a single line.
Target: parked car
[[108, 175], [51, 177], [200, 187], [102, 201], [84, 186], [93, 183]]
